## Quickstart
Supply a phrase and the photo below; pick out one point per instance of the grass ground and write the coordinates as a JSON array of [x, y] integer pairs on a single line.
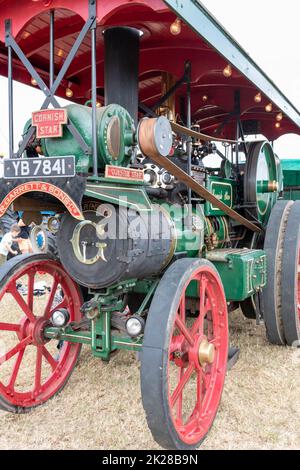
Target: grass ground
[[100, 408]]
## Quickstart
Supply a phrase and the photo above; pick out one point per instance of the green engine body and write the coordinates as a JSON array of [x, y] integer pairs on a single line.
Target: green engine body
[[115, 137], [291, 179], [225, 190], [146, 249], [242, 271]]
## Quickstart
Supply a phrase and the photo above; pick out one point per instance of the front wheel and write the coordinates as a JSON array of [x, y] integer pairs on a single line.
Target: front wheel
[[184, 360], [32, 368]]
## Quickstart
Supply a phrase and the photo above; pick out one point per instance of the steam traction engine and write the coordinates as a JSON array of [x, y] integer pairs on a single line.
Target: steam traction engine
[[154, 246]]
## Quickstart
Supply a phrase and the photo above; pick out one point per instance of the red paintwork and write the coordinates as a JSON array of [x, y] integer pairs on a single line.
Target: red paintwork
[[49, 122], [39, 186], [160, 51], [205, 394], [120, 173], [27, 334]]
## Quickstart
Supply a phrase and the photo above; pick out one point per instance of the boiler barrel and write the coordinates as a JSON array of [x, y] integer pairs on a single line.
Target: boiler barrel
[[115, 133], [115, 244]]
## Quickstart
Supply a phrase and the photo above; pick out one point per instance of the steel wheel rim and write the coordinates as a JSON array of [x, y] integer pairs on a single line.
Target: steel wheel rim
[[298, 286], [28, 335], [198, 424]]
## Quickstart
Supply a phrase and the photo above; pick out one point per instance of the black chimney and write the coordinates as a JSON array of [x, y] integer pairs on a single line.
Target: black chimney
[[122, 48]]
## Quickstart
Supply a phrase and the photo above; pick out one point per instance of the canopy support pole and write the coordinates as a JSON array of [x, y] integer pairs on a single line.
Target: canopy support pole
[[49, 92], [52, 39], [94, 101], [10, 93]]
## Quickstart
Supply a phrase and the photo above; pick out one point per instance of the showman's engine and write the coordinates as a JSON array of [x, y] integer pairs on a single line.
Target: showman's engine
[[139, 238]]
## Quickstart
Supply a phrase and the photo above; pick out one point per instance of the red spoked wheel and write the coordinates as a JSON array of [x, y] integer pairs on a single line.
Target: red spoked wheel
[[32, 368], [184, 359]]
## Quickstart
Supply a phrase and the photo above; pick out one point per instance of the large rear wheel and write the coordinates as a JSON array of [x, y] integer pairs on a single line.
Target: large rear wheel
[[184, 359], [280, 296], [32, 368], [290, 284]]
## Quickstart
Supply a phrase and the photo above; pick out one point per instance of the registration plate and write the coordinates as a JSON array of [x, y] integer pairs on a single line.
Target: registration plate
[[54, 167]]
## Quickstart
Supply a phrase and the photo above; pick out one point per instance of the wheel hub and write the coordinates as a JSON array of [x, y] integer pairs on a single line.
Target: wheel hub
[[206, 353], [38, 331], [24, 328], [33, 329]]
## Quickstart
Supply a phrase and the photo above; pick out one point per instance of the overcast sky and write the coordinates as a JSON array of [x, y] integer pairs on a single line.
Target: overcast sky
[[267, 29]]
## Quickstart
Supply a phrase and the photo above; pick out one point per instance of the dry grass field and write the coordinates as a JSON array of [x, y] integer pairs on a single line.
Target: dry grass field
[[100, 408]]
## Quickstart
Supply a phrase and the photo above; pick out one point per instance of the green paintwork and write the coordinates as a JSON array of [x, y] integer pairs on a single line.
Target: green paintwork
[[243, 272], [291, 171], [263, 187], [266, 171], [224, 190], [120, 194], [118, 182], [291, 195], [228, 169], [86, 337], [149, 294], [100, 337], [291, 179], [144, 286], [81, 117]]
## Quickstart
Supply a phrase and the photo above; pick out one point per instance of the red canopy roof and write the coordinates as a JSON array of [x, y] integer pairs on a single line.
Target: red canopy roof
[[160, 52]]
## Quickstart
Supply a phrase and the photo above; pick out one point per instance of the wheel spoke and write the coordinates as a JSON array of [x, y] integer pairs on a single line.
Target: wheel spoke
[[49, 358], [16, 369], [183, 329], [9, 327], [48, 310], [199, 322], [193, 427], [206, 381], [15, 350], [199, 390], [176, 344], [183, 381], [202, 292], [182, 308], [30, 289], [38, 369], [19, 299], [196, 325], [179, 401]]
